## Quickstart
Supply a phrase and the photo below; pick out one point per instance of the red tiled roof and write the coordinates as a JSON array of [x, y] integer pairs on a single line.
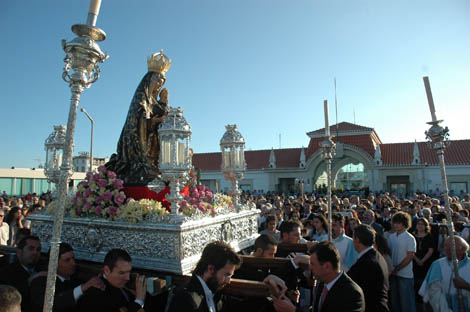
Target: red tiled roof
[[285, 158], [393, 154], [364, 141], [343, 127]]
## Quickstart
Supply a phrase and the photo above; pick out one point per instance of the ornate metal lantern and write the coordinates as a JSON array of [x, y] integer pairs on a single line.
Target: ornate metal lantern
[[54, 146], [175, 160], [232, 146]]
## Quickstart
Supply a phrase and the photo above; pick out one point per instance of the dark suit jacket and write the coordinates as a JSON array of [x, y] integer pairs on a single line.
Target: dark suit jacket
[[110, 300], [344, 296], [191, 298], [63, 298], [371, 274], [15, 275]]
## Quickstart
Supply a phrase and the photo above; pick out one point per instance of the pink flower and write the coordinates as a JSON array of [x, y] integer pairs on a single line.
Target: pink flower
[[98, 210], [209, 193], [87, 207], [113, 211], [88, 192], [118, 183], [202, 194], [102, 183], [107, 195], [119, 199], [74, 201], [111, 175], [102, 169], [89, 174], [183, 204], [201, 207], [96, 177]]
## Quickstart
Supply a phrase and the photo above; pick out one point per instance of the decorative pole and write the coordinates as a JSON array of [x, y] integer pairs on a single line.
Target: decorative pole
[[81, 70], [328, 147], [438, 140]]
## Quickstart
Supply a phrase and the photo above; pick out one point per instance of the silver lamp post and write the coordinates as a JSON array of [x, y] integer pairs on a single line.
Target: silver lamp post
[[232, 146], [328, 148], [54, 146], [91, 140], [437, 137], [174, 161], [81, 70]]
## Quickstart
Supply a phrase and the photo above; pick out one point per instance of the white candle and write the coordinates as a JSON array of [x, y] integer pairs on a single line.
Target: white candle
[[59, 160], [327, 125], [94, 7], [430, 100]]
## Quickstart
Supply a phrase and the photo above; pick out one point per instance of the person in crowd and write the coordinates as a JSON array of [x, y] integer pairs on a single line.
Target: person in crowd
[[320, 228], [271, 227], [115, 297], [212, 273], [18, 274], [403, 247], [10, 299], [381, 245], [351, 224], [336, 290], [68, 289], [4, 229], [14, 219], [369, 218], [439, 287], [343, 243], [290, 234], [424, 252], [370, 271]]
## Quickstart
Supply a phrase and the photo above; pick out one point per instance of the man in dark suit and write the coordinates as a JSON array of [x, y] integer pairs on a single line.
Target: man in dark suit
[[17, 274], [335, 284], [116, 274], [370, 270], [67, 289], [213, 272], [336, 290]]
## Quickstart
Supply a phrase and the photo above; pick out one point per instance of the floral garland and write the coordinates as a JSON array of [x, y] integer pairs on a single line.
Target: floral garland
[[202, 200], [101, 195]]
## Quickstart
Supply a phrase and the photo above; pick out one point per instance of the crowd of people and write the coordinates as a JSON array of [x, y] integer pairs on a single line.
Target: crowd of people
[[385, 254]]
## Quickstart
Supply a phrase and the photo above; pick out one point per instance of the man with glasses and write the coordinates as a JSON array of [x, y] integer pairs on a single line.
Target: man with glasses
[[4, 229]]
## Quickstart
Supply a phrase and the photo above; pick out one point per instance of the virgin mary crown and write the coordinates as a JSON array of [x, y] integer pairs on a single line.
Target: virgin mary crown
[[158, 63]]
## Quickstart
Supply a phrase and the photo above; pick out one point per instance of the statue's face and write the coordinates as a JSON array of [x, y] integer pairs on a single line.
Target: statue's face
[[156, 84]]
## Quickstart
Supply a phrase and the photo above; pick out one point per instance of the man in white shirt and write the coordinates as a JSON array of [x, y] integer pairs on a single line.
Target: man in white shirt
[[403, 247], [4, 229]]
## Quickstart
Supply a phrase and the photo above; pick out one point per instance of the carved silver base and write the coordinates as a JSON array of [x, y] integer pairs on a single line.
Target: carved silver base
[[161, 246]]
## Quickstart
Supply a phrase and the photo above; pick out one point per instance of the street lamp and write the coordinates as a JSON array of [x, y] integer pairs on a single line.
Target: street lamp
[[232, 146], [81, 70], [175, 161], [91, 140]]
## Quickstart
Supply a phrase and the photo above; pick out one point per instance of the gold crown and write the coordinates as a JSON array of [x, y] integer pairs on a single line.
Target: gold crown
[[158, 63]]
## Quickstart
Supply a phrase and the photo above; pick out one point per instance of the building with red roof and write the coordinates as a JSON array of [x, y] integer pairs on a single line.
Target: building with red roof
[[394, 167]]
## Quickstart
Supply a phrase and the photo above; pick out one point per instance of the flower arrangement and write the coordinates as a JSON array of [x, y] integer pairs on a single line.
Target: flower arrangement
[[136, 211], [202, 200], [99, 195]]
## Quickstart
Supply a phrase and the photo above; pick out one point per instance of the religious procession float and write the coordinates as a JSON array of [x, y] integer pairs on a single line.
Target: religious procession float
[[146, 199]]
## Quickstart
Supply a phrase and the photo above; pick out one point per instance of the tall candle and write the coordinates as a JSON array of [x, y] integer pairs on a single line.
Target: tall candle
[[59, 160], [327, 125], [430, 100], [94, 7]]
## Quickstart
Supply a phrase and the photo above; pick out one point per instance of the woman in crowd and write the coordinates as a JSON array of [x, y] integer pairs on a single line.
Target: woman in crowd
[[15, 221], [424, 250], [271, 227], [320, 228], [351, 224]]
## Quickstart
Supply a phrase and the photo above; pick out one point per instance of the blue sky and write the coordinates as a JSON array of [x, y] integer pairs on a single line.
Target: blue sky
[[266, 65]]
